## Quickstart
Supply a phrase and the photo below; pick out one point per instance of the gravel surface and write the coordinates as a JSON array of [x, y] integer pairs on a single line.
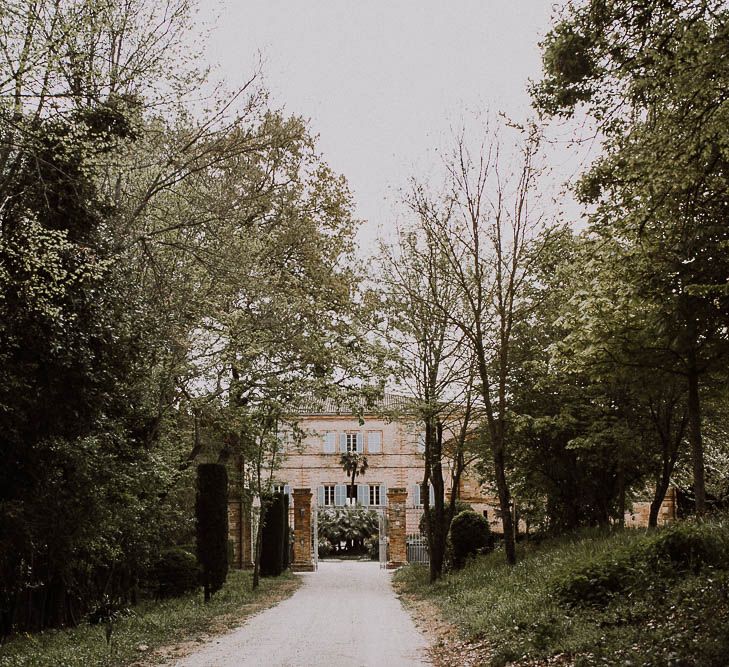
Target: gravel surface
[[346, 614]]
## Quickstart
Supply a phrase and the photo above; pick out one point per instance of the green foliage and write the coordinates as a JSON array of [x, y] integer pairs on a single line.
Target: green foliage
[[152, 623], [470, 534], [350, 526], [211, 512], [175, 573], [634, 595], [273, 538], [461, 506]]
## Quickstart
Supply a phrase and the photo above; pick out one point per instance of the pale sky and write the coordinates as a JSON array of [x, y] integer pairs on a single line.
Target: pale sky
[[382, 82]]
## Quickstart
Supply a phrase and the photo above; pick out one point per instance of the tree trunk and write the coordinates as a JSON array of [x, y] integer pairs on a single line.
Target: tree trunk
[[694, 435], [437, 527], [257, 558], [504, 504]]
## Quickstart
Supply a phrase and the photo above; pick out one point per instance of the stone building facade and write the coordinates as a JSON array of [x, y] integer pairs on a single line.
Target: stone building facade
[[393, 442]]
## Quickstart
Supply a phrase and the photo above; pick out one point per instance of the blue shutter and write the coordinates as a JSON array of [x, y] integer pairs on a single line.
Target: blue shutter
[[330, 442], [340, 495], [415, 490], [363, 494], [320, 496], [343, 443], [421, 442], [289, 493], [432, 495], [360, 444], [383, 495]]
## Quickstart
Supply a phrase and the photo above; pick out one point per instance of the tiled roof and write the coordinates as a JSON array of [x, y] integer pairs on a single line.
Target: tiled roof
[[388, 403]]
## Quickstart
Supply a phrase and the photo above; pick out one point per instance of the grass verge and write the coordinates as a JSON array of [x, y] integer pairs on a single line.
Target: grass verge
[[144, 635], [658, 598]]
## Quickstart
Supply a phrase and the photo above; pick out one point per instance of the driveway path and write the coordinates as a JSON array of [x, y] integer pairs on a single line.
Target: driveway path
[[345, 615]]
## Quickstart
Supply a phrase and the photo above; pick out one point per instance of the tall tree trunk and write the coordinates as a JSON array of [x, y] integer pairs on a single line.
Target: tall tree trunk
[[504, 503], [437, 516], [694, 435]]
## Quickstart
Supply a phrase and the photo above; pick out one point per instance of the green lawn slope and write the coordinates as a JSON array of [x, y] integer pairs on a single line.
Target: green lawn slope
[[630, 597]]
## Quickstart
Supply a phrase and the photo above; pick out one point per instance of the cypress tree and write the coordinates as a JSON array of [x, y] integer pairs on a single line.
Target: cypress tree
[[211, 509], [272, 538]]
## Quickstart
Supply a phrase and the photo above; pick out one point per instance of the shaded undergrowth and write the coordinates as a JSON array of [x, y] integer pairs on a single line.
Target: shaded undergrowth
[[145, 627], [631, 597]]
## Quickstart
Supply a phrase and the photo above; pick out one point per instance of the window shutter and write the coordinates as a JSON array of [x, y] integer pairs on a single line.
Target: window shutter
[[421, 442], [343, 443], [415, 490], [340, 495], [360, 444], [432, 496], [289, 493], [383, 495], [330, 442], [320, 496], [374, 442], [363, 494]]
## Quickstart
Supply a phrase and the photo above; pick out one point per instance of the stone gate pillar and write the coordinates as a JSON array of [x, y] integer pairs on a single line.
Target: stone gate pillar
[[398, 555], [302, 531]]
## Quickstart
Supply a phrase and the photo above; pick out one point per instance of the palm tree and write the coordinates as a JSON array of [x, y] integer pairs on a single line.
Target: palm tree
[[353, 463]]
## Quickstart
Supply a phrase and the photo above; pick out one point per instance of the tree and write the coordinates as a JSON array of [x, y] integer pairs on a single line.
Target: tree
[[432, 360], [487, 230], [211, 510], [652, 75], [353, 464]]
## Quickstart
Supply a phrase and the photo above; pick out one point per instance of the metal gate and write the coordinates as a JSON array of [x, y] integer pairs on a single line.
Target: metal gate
[[417, 545], [382, 516]]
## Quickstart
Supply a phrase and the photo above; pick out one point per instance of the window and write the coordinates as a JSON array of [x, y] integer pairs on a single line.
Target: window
[[374, 442], [330, 442], [351, 442], [375, 494], [279, 488], [329, 495]]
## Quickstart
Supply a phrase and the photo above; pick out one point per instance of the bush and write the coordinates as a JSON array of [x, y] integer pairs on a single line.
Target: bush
[[287, 537], [461, 506], [470, 534], [596, 583], [677, 550], [272, 536], [175, 573], [325, 547], [689, 547], [211, 510], [348, 525], [372, 545]]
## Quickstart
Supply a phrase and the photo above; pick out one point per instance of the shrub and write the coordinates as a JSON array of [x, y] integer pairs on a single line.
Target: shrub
[[689, 547], [211, 510], [461, 506], [325, 547], [470, 533], [596, 583], [287, 538], [175, 573], [272, 536]]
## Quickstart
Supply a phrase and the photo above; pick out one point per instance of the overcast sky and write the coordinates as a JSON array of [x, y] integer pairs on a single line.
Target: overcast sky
[[384, 81]]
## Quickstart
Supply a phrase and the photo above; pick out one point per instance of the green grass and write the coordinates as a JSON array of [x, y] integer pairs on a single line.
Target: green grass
[[627, 598], [153, 624]]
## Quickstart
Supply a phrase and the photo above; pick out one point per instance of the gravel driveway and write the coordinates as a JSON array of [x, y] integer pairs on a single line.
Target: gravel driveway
[[346, 614]]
